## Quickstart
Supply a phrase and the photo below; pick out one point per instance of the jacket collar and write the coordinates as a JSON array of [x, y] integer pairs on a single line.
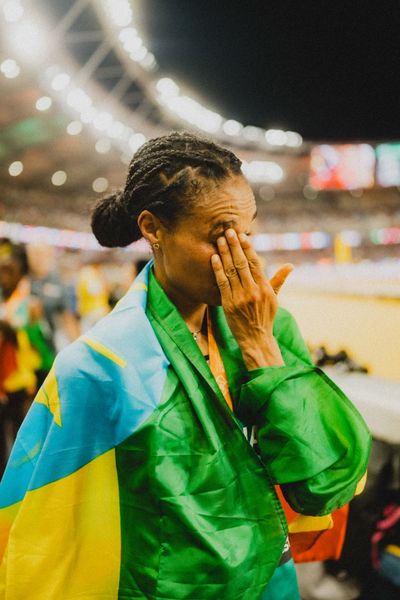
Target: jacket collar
[[169, 318], [146, 294]]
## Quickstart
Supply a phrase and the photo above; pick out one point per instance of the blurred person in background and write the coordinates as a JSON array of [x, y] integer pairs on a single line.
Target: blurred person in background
[[17, 384], [24, 355], [68, 270], [92, 292], [120, 276], [47, 285], [165, 429]]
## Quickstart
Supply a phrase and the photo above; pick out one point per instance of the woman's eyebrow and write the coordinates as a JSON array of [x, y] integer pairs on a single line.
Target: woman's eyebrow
[[227, 224]]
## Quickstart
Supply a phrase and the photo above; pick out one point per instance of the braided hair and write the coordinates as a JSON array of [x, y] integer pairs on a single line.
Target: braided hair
[[165, 176]]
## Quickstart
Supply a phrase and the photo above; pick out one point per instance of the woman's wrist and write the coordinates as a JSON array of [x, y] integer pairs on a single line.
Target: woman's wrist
[[262, 354]]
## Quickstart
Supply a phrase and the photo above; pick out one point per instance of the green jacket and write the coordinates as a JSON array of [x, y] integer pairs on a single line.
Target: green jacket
[[188, 508]]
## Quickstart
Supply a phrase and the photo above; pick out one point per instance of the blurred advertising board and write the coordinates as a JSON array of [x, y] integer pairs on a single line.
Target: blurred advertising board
[[342, 167], [388, 164]]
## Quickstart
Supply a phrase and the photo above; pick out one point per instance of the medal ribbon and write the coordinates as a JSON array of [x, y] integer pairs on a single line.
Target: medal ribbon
[[216, 365]]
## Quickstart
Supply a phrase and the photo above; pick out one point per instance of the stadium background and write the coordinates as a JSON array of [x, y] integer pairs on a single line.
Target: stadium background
[[305, 95]]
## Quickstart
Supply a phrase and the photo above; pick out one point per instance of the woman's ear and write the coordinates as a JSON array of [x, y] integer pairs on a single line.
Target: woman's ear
[[150, 226]]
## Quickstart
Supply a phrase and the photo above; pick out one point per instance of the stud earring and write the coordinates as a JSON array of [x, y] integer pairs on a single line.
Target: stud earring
[[156, 246]]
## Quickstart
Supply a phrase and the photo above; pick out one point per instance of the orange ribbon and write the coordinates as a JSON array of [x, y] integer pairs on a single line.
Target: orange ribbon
[[216, 365]]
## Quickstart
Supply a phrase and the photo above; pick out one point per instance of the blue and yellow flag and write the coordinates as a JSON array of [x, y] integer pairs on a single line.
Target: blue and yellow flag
[[60, 512]]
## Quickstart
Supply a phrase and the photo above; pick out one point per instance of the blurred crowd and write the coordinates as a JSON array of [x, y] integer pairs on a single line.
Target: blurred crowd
[[278, 212], [47, 300]]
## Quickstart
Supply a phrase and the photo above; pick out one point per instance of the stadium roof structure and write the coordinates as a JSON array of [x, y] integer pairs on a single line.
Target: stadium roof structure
[[81, 92]]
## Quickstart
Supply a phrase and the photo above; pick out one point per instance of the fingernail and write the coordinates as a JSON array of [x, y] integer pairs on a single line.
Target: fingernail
[[242, 237], [230, 233], [215, 258], [222, 241]]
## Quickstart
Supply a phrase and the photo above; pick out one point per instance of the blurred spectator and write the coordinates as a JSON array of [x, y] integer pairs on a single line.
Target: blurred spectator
[[92, 293], [53, 294], [24, 352], [120, 277], [19, 310], [371, 552]]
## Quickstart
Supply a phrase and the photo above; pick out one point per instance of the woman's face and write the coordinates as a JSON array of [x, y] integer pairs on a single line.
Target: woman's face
[[183, 261]]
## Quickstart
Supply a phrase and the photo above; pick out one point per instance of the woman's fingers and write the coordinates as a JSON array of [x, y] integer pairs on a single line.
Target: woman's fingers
[[252, 259], [221, 279], [238, 266], [228, 265], [280, 276], [239, 259]]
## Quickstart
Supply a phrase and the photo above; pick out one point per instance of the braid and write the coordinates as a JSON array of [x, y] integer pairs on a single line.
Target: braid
[[165, 176]]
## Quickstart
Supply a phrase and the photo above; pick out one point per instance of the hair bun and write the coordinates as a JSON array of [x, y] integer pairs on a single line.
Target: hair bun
[[111, 224]]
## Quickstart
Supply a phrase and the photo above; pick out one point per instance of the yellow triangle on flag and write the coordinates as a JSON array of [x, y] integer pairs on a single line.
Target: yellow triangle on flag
[[48, 395]]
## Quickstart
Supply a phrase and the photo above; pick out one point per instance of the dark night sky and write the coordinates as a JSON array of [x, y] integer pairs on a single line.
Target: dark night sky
[[328, 69]]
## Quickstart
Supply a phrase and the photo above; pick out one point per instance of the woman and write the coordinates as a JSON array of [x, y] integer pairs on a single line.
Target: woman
[[131, 477], [24, 349]]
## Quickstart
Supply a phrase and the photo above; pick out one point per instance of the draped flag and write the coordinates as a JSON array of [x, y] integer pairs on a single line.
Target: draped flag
[[131, 477]]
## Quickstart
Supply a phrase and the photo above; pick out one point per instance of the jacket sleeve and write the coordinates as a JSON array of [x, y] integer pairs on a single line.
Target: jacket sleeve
[[313, 441]]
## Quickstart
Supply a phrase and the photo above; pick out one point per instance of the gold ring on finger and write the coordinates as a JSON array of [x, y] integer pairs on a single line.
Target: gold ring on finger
[[231, 272]]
